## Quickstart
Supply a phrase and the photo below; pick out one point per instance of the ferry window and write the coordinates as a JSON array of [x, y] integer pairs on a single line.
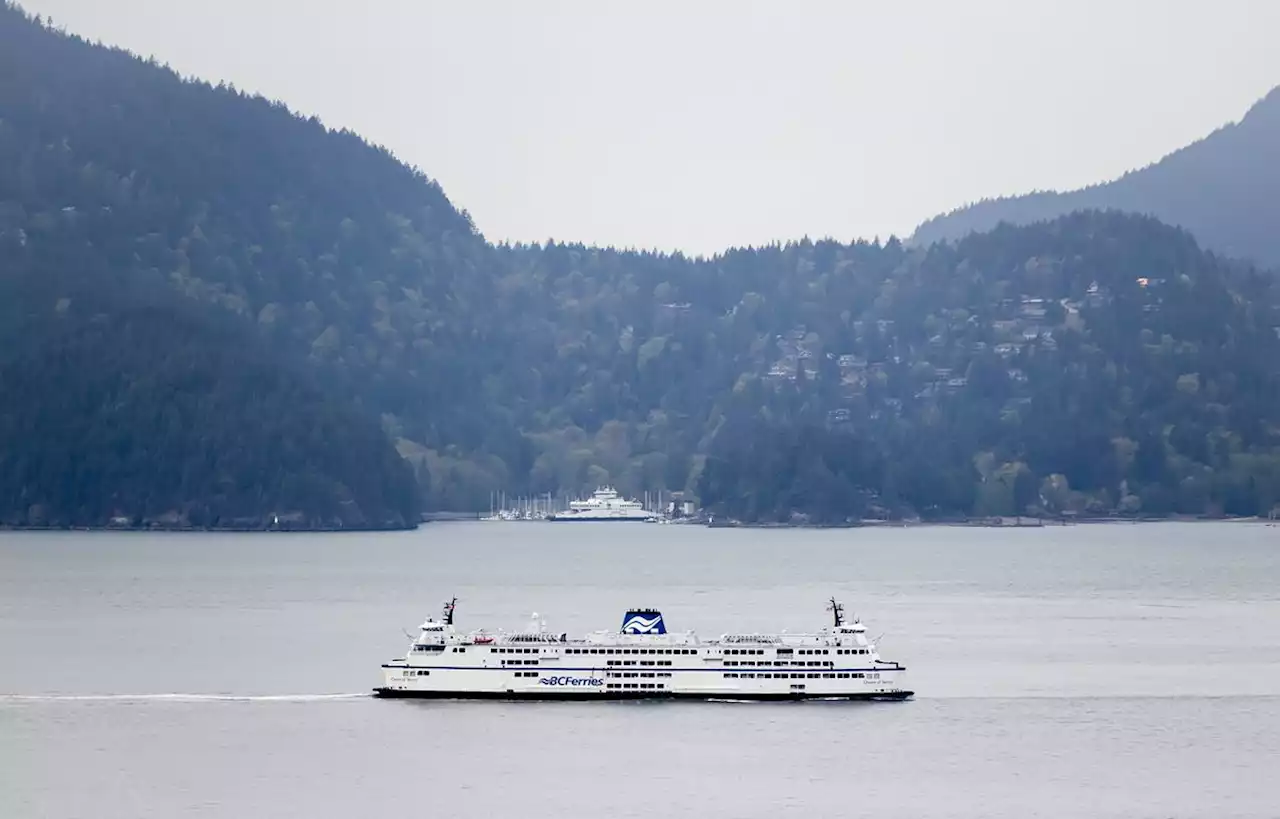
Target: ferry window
[[797, 687]]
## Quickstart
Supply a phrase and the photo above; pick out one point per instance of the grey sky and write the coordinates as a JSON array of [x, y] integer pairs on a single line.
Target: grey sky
[[703, 125]]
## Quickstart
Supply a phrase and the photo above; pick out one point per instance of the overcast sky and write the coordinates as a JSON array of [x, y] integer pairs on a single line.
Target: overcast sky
[[699, 126]]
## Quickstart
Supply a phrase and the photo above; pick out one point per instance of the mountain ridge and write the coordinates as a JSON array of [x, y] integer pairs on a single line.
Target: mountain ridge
[[1217, 187], [1101, 363]]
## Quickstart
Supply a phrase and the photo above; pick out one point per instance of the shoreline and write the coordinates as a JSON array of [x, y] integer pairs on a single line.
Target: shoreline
[[208, 530], [1032, 523]]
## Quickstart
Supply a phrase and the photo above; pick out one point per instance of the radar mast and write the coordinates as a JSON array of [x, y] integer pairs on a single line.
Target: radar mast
[[837, 612]]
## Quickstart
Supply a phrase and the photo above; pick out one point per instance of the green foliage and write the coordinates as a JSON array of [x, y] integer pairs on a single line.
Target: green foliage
[[117, 406], [1098, 363]]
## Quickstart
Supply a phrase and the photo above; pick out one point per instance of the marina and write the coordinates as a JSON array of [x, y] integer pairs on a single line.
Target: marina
[[605, 504]]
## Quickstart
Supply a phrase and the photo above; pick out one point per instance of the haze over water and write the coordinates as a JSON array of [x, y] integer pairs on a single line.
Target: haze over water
[[1079, 671]]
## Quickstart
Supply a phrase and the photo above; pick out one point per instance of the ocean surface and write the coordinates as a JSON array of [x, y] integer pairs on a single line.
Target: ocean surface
[[1087, 671]]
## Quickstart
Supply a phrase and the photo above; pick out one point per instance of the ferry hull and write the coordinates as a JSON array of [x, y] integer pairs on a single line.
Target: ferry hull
[[585, 519], [863, 696]]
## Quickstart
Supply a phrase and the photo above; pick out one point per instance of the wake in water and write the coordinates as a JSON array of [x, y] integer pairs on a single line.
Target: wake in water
[[177, 697]]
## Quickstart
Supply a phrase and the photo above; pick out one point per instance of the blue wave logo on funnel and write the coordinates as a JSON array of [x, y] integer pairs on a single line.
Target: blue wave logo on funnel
[[643, 621]]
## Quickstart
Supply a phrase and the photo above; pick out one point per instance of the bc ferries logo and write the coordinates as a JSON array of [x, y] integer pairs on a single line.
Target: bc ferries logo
[[569, 681], [645, 621]]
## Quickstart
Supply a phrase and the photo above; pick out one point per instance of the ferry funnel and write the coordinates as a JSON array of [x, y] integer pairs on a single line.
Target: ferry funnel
[[643, 621]]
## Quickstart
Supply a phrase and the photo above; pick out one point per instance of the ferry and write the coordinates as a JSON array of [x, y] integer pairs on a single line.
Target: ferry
[[605, 504], [642, 660]]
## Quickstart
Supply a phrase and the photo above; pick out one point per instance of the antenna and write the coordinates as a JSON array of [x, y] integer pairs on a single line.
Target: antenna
[[448, 611]]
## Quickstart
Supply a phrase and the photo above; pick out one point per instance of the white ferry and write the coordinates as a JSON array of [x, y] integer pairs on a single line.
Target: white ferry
[[643, 660], [605, 504]]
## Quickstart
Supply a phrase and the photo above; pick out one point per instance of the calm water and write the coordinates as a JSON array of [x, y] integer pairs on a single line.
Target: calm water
[[1117, 671]]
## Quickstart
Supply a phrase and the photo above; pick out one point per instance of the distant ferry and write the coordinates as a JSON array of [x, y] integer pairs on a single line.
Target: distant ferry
[[605, 504], [643, 661]]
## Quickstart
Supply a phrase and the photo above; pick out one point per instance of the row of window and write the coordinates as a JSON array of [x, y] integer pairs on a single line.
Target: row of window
[[852, 675], [526, 673], [783, 663], [635, 685], [630, 651], [615, 675], [637, 662], [419, 673], [520, 662], [463, 649]]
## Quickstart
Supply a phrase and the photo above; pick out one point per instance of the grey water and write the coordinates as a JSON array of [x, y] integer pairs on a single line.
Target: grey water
[[1101, 671]]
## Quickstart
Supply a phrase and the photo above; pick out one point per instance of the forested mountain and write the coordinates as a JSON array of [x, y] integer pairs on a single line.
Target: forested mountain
[[119, 396], [1222, 188], [1096, 363]]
